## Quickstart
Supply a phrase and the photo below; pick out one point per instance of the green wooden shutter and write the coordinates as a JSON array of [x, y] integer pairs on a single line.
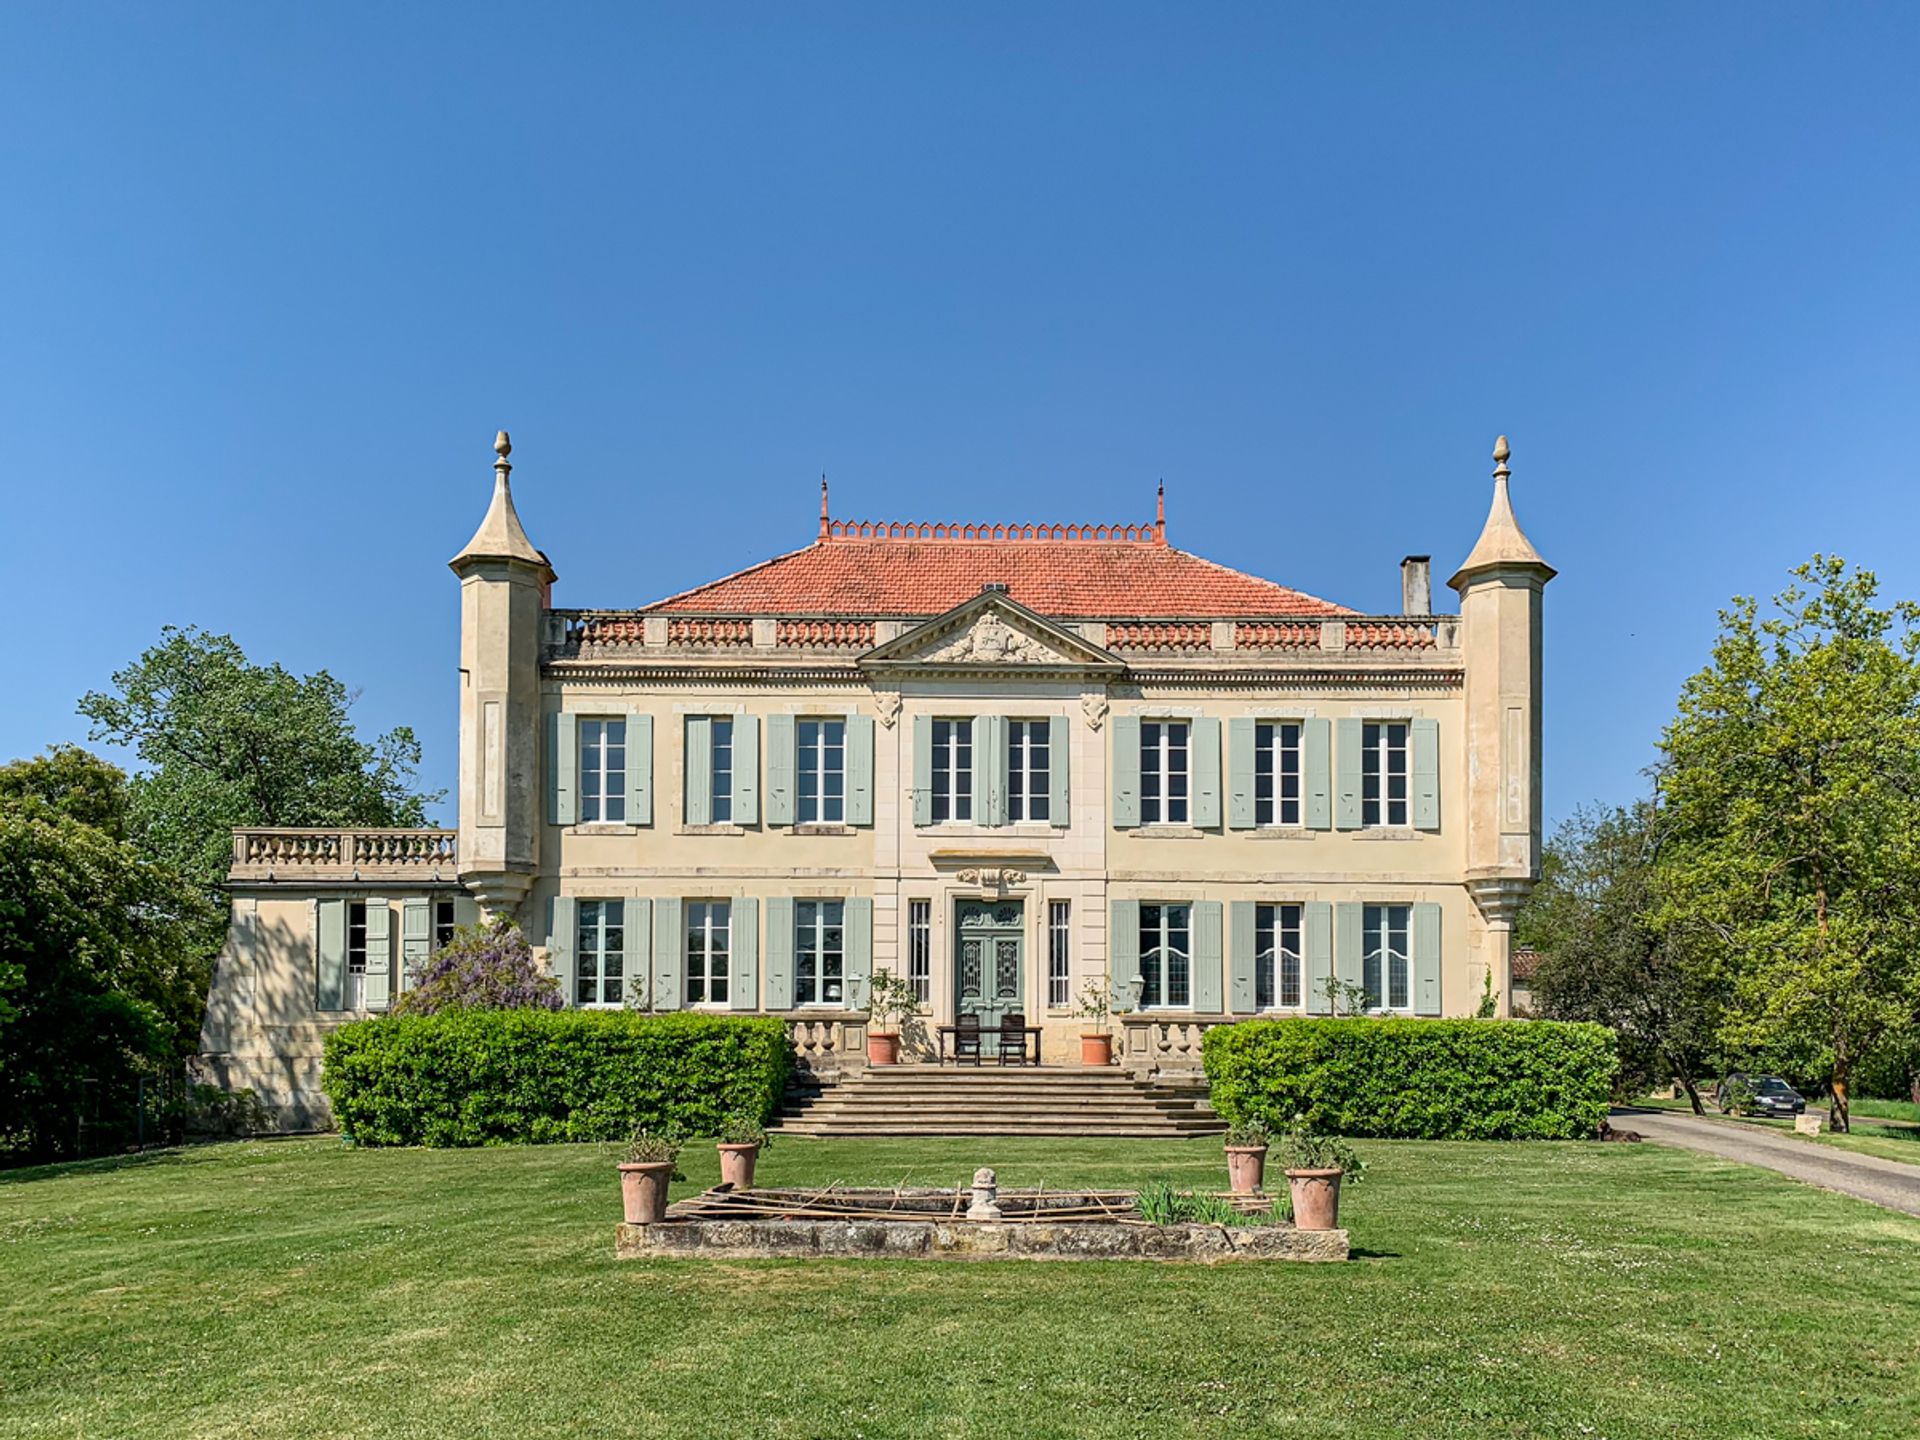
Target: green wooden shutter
[[416, 939], [1206, 772], [1126, 774], [639, 769], [1059, 772], [562, 920], [981, 729], [746, 770], [779, 953], [636, 921], [1207, 949], [1426, 774], [782, 761], [330, 955], [1346, 769], [378, 989], [1123, 949], [1240, 990], [1317, 917], [1348, 943], [923, 769], [860, 770], [466, 910], [1240, 742], [668, 948], [858, 937], [998, 748], [1318, 765], [563, 769], [699, 770], [743, 958], [1426, 959]]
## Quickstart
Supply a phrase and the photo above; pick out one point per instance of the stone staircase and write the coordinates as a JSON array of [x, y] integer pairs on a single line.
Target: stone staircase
[[945, 1100]]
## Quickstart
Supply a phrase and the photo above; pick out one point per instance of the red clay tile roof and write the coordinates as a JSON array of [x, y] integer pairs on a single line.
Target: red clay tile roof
[[1524, 963], [1068, 572]]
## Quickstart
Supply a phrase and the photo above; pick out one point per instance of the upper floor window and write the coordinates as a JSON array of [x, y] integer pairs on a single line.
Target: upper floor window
[[1276, 957], [1166, 976], [1385, 956], [952, 770], [819, 952], [1029, 788], [600, 953], [709, 944], [1163, 773], [823, 772], [603, 771], [1276, 773], [1383, 774], [720, 772]]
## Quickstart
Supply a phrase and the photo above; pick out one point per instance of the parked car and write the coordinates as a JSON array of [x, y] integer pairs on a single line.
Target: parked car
[[1764, 1095]]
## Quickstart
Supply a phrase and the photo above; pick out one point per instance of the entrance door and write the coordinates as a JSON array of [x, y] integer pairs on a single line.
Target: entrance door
[[989, 962]]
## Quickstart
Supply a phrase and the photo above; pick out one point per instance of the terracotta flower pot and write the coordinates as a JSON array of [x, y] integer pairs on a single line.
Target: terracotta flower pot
[[1096, 1049], [736, 1165], [882, 1049], [1246, 1167], [643, 1190], [1316, 1198]]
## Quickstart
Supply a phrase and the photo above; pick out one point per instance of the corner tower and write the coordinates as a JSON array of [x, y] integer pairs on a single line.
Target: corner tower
[[1500, 587], [504, 585]]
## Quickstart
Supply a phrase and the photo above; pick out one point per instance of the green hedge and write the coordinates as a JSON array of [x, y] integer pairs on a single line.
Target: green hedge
[[506, 1077], [1416, 1079]]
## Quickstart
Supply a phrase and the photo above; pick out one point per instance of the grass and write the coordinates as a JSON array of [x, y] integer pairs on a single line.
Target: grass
[[302, 1289], [1892, 1139]]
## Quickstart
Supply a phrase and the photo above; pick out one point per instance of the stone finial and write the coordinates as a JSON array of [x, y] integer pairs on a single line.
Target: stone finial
[[985, 1191], [501, 536], [1502, 543], [502, 446], [1500, 453]]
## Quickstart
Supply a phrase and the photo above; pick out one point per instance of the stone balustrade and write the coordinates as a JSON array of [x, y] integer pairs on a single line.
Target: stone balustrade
[[1154, 1045], [828, 1045], [292, 854]]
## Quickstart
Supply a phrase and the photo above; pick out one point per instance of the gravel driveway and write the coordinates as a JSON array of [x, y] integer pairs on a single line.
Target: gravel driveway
[[1883, 1182]]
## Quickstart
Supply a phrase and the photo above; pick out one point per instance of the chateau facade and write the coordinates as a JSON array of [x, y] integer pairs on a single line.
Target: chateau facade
[[1001, 761]]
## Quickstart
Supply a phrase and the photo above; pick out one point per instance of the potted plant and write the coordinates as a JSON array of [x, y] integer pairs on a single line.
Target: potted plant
[[1247, 1143], [742, 1138], [1095, 1006], [1315, 1165], [890, 998], [645, 1173]]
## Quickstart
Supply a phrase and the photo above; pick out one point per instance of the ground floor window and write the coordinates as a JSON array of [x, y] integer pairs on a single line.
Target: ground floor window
[[1276, 957], [1385, 964], [443, 924], [1165, 947], [920, 949], [819, 952], [709, 943], [600, 953], [1059, 953]]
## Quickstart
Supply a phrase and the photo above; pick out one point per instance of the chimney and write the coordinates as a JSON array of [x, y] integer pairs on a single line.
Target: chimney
[[1416, 585]]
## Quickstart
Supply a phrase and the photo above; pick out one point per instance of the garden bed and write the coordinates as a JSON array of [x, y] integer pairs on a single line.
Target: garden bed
[[931, 1224]]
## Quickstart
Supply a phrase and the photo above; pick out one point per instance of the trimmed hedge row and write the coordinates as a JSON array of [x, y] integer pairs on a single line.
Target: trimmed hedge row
[[509, 1077], [1415, 1079]]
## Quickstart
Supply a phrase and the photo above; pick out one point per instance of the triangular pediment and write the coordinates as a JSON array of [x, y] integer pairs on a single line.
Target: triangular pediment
[[991, 631]]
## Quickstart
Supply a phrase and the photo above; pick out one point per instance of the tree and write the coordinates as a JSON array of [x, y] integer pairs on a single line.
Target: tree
[[228, 743], [1605, 955], [102, 976], [1791, 780], [484, 967]]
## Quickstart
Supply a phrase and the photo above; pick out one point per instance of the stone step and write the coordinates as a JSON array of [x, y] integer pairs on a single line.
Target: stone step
[[1119, 1130], [928, 1100]]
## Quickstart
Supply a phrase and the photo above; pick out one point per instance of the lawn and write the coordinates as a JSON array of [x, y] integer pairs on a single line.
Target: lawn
[[302, 1288]]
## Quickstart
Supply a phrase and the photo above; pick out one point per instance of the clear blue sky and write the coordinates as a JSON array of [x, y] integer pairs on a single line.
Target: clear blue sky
[[271, 276]]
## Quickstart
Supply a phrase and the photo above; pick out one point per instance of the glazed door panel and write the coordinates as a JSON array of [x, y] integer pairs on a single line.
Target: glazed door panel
[[989, 963]]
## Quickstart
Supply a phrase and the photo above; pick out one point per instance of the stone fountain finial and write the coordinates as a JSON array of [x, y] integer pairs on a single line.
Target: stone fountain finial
[[986, 1189]]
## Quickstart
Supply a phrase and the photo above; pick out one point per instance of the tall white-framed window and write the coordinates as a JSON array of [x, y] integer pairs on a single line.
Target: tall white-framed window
[[720, 771], [1166, 972], [356, 996], [952, 770], [600, 952], [1029, 786], [1386, 965], [1276, 957], [1384, 786], [819, 952], [920, 949], [1163, 772], [603, 771], [1276, 773], [1059, 953], [823, 772], [709, 946]]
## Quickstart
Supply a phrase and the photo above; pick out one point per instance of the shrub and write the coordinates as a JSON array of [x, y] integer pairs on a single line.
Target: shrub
[[484, 967], [1415, 1079], [493, 1077]]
